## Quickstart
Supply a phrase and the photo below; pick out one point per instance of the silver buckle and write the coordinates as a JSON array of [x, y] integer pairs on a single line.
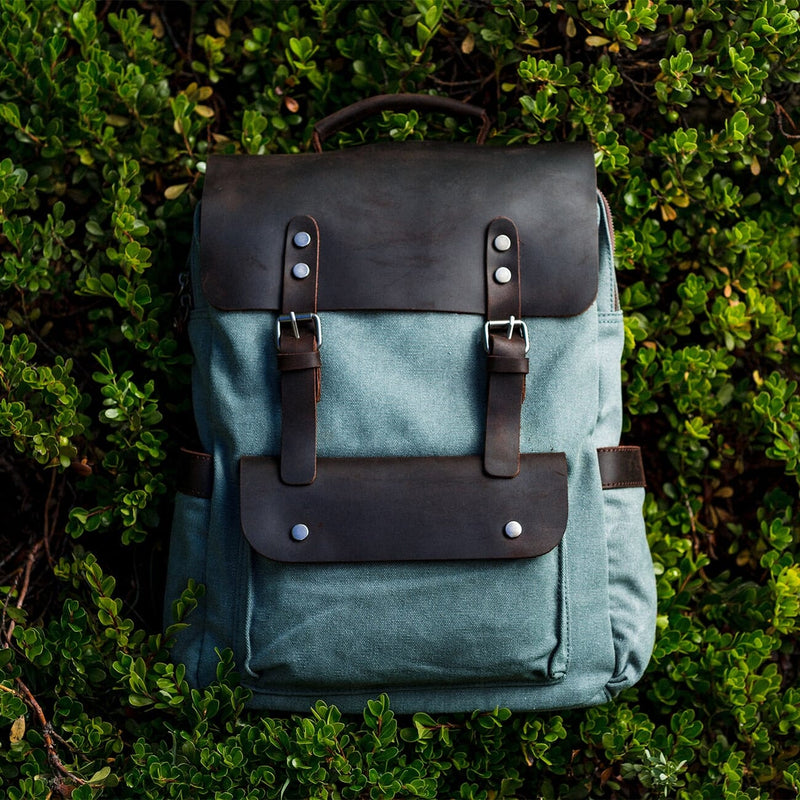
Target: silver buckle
[[510, 324], [293, 319]]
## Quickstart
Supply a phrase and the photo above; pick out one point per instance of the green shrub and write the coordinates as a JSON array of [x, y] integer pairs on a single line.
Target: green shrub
[[108, 112]]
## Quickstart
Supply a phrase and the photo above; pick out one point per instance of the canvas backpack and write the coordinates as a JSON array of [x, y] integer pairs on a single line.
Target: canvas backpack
[[406, 386]]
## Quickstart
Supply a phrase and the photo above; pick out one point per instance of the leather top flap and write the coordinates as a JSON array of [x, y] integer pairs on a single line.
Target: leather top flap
[[403, 226]]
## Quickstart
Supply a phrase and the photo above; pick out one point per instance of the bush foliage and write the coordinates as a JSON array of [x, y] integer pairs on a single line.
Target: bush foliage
[[108, 112]]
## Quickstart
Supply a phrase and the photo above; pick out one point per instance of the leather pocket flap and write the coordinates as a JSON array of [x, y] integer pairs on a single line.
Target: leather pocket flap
[[404, 509]]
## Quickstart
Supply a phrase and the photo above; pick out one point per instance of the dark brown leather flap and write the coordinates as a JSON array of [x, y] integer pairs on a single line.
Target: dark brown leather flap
[[404, 509], [403, 226]]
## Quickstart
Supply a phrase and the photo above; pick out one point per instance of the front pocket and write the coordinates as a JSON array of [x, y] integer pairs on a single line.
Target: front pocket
[[380, 624]]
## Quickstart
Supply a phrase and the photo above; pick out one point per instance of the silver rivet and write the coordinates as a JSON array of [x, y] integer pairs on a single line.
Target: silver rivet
[[502, 243], [301, 270], [299, 532], [502, 275], [303, 239], [513, 529]]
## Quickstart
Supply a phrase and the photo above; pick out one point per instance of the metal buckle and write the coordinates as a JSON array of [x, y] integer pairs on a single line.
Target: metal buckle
[[510, 325], [293, 319]]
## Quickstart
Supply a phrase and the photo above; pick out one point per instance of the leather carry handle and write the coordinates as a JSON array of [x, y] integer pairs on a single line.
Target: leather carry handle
[[356, 112]]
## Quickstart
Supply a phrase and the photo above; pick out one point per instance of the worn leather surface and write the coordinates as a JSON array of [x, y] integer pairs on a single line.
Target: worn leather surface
[[404, 509], [403, 226]]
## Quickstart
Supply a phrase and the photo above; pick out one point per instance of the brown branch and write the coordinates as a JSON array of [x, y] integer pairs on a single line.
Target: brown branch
[[783, 114], [48, 735], [48, 524], [26, 582], [9, 557]]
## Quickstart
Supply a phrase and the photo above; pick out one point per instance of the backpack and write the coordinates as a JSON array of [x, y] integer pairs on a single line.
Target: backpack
[[406, 385]]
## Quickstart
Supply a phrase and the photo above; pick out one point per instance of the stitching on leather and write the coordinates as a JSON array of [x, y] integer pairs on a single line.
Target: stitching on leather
[[623, 448]]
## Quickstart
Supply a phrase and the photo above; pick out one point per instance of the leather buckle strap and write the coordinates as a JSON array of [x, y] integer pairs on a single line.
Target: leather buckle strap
[[298, 352], [293, 319], [507, 361], [511, 324]]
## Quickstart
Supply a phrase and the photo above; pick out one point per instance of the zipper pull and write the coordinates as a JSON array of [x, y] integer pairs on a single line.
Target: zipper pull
[[184, 303]]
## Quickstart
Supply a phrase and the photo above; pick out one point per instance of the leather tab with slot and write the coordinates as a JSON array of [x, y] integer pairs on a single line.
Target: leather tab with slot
[[195, 475], [298, 339], [621, 467]]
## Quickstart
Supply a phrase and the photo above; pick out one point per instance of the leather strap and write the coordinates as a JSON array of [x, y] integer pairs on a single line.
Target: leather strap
[[298, 354], [292, 361], [507, 363], [195, 473], [621, 467]]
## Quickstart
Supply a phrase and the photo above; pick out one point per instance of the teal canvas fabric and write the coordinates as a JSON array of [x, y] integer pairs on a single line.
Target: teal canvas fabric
[[570, 628]]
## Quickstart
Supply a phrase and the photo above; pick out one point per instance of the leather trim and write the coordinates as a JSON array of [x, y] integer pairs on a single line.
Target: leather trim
[[195, 473], [404, 509], [403, 225], [621, 467]]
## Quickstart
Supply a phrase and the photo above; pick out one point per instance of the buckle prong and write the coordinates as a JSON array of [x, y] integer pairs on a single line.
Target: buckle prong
[[511, 324], [292, 318]]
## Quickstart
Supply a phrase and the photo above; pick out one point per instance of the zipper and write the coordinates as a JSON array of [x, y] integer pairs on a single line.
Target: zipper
[[184, 303], [613, 242]]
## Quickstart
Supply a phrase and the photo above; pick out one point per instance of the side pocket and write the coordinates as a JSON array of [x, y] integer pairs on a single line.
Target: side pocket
[[631, 586], [187, 559]]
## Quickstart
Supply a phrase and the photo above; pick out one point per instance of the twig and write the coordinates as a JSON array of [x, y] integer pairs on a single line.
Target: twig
[[10, 556], [782, 113], [47, 734], [26, 581], [48, 525]]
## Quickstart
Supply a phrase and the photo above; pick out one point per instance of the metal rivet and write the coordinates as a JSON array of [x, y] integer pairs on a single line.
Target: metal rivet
[[502, 275], [513, 529], [302, 239], [502, 243], [301, 270], [299, 532]]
